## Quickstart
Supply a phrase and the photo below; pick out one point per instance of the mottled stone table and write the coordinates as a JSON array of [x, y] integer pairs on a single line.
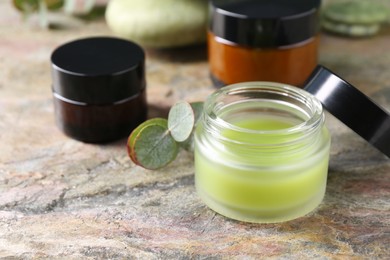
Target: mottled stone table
[[63, 199]]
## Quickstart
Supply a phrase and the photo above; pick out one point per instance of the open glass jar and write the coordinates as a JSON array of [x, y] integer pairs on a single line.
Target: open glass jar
[[261, 152]]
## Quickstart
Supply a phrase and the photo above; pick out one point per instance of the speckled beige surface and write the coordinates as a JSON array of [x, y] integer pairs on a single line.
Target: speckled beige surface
[[63, 199]]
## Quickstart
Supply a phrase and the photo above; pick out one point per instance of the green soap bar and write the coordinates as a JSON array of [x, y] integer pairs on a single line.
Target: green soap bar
[[159, 23], [353, 30], [356, 12]]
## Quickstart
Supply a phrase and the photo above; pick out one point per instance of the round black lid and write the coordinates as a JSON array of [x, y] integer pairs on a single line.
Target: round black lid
[[98, 70], [264, 23], [351, 107]]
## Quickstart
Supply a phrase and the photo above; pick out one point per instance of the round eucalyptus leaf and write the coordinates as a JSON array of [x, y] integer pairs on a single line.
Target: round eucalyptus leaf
[[154, 121], [150, 145], [181, 120]]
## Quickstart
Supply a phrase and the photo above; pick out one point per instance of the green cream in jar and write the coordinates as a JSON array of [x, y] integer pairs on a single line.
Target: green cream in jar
[[261, 152]]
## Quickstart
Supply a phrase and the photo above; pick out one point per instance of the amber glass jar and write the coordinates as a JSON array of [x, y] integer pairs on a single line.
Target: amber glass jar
[[99, 88], [268, 40]]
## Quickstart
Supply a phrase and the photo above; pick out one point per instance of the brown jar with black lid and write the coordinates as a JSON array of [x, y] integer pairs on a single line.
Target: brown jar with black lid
[[99, 88], [263, 40]]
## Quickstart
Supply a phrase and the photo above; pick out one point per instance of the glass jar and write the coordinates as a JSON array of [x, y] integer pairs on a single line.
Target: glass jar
[[269, 40], [261, 152]]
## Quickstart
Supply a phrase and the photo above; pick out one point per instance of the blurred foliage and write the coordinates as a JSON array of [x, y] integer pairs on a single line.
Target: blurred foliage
[[50, 12]]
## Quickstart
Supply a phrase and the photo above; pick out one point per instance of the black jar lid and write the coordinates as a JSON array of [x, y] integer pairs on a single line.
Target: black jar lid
[[264, 23], [352, 107], [98, 70]]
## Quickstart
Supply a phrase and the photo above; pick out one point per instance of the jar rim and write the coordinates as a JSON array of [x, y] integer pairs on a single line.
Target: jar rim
[[314, 109]]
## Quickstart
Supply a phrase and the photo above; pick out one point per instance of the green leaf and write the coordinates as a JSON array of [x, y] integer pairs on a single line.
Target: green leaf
[[154, 121], [155, 142], [197, 107], [33, 5], [54, 4], [151, 146], [181, 120], [188, 144], [26, 6]]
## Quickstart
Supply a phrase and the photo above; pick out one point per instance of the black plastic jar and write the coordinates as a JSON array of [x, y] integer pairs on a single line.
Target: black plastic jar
[[99, 88]]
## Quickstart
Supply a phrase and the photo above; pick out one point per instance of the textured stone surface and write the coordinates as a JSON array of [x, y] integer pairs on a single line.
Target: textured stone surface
[[63, 199]]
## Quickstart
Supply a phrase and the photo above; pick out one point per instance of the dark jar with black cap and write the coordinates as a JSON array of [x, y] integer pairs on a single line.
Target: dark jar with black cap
[[99, 88], [263, 40]]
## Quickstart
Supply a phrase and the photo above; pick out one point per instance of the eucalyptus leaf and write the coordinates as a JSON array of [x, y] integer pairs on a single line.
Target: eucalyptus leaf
[[181, 121], [188, 144], [33, 5], [153, 147], [154, 121], [155, 142], [150, 145], [197, 107], [26, 5]]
